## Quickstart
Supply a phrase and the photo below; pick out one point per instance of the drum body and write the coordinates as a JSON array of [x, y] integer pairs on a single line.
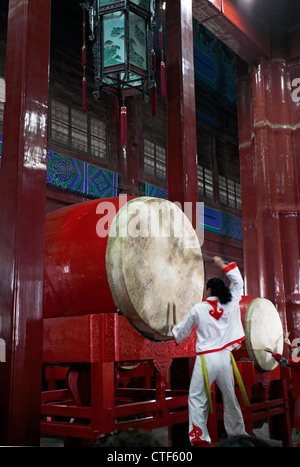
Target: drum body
[[75, 279], [137, 256], [263, 328]]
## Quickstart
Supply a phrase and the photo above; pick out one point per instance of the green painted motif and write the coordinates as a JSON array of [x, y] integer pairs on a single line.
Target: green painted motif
[[80, 177], [65, 173]]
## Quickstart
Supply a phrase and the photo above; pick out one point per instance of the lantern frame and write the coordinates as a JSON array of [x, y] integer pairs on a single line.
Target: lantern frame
[[126, 78]]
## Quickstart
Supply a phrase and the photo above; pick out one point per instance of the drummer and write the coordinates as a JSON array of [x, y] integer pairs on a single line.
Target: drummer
[[219, 330], [294, 364]]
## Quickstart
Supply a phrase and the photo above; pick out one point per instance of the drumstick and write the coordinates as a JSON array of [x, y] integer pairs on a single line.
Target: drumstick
[[258, 348], [168, 314], [174, 313], [206, 257]]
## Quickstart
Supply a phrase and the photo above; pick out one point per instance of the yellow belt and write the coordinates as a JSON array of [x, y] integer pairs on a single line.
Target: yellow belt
[[239, 380], [206, 383]]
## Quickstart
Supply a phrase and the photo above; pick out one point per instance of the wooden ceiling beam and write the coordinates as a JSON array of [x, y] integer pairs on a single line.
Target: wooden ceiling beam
[[240, 29]]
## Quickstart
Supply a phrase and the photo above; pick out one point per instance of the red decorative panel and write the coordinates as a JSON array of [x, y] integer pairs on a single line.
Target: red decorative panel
[[133, 346], [105, 338]]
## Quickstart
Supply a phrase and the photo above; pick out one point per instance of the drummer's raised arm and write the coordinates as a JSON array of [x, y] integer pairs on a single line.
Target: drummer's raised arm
[[233, 273], [219, 262]]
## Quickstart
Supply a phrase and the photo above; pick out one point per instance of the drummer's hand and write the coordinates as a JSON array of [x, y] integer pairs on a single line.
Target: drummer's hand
[[268, 350], [219, 262], [286, 338]]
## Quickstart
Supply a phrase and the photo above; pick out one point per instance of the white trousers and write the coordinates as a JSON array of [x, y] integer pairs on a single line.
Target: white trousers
[[219, 370]]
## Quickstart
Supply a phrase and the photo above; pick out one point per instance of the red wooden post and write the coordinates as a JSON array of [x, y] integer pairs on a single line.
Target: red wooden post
[[22, 219], [270, 195], [249, 203], [181, 140], [181, 114], [102, 382], [129, 155]]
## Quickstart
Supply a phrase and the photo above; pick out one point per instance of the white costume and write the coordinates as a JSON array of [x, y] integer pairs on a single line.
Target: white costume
[[219, 330]]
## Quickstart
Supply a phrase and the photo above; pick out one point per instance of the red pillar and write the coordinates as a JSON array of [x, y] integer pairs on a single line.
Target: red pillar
[[181, 144], [22, 219], [128, 158], [292, 242], [270, 196], [247, 170], [181, 114], [131, 156]]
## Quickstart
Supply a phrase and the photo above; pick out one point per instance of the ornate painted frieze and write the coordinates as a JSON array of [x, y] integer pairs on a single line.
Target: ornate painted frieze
[[155, 191], [215, 221], [80, 177], [83, 178], [214, 65], [223, 223]]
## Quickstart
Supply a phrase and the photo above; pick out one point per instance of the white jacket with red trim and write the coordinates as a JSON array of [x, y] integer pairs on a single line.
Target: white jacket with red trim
[[218, 326]]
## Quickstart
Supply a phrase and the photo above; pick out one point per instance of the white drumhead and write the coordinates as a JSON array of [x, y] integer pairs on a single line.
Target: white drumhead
[[263, 328], [154, 258]]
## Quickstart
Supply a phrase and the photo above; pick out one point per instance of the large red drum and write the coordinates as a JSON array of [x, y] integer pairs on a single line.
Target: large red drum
[[139, 256], [75, 279], [263, 328]]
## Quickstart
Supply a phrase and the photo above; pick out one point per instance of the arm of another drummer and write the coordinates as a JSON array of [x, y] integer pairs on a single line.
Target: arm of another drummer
[[279, 358]]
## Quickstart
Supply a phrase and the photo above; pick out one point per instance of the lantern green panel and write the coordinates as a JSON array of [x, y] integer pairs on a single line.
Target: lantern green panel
[[113, 41], [137, 43]]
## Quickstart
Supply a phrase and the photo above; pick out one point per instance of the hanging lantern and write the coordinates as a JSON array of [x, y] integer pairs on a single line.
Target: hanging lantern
[[122, 31], [123, 50]]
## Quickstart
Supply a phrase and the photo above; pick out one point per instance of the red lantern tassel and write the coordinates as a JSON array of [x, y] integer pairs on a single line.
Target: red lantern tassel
[[154, 101], [163, 79], [153, 62], [116, 109], [160, 37], [84, 94], [83, 56], [83, 27], [123, 126]]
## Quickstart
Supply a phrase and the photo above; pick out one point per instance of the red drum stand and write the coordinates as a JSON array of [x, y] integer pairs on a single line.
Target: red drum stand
[[103, 353], [115, 379]]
